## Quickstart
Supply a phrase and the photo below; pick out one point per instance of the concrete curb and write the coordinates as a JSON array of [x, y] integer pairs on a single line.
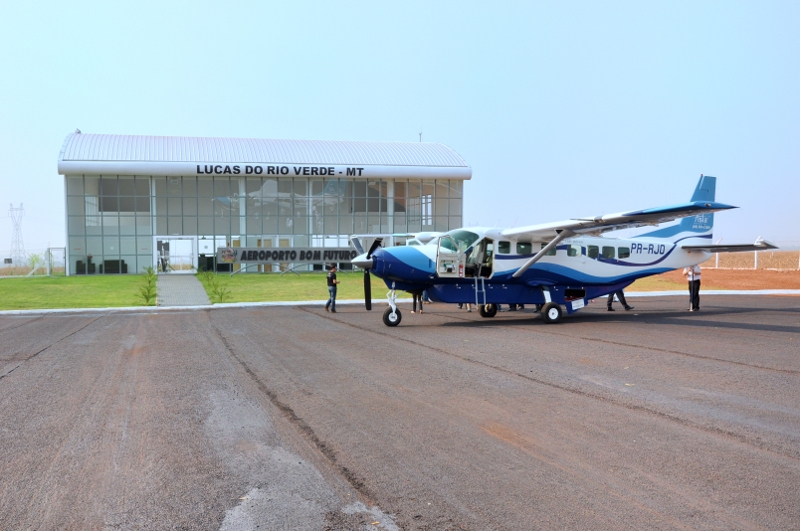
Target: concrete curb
[[155, 309]]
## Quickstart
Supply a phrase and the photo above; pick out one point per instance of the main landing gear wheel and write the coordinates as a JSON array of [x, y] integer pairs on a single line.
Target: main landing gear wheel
[[487, 310], [392, 318], [551, 313]]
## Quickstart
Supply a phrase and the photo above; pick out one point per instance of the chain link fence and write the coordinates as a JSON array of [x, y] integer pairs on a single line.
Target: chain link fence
[[38, 262]]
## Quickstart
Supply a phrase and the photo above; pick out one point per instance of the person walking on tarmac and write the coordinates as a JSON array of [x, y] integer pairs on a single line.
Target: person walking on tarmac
[[620, 297], [330, 306], [692, 274]]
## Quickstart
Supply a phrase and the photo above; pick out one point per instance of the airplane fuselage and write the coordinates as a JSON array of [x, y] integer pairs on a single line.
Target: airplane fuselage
[[575, 271]]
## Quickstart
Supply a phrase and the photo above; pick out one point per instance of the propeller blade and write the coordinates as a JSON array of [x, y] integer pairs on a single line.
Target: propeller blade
[[375, 245], [367, 291]]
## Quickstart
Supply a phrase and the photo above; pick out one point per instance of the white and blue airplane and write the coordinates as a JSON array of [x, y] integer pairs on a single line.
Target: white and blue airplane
[[553, 265]]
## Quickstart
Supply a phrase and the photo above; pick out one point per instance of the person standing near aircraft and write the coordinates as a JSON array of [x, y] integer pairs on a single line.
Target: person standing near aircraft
[[692, 274], [620, 297], [416, 296], [330, 306]]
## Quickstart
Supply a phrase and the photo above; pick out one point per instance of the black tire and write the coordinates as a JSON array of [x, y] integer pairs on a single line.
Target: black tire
[[551, 313], [487, 310], [387, 320]]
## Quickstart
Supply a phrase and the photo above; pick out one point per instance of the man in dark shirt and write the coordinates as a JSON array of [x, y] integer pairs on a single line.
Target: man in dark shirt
[[330, 306]]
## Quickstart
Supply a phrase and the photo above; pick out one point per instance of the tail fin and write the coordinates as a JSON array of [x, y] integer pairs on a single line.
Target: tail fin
[[700, 225]]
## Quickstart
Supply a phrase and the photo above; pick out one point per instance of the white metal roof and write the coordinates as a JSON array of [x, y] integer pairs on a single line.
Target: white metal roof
[[164, 155]]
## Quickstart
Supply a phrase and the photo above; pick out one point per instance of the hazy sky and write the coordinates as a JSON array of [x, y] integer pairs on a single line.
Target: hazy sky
[[563, 109]]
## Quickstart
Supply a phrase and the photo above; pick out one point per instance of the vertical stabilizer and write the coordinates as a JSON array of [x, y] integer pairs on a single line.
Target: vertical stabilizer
[[700, 225]]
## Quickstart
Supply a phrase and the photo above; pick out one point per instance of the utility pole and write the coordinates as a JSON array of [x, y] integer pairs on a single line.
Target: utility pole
[[17, 247]]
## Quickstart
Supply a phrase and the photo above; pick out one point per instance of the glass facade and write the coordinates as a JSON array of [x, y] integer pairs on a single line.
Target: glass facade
[[118, 223]]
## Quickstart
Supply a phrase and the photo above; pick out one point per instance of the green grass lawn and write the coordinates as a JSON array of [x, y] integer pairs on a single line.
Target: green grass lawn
[[264, 287], [96, 291], [109, 291]]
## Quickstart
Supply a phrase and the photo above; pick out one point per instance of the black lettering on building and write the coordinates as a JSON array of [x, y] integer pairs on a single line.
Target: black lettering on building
[[284, 170], [236, 169]]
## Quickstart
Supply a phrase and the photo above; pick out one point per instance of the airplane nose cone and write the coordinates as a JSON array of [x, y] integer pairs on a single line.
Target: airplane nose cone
[[362, 261]]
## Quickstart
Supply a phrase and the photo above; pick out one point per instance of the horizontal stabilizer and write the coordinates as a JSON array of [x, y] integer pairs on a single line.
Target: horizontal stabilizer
[[758, 245]]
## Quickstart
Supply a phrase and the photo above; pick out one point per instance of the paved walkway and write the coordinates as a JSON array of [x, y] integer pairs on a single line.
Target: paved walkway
[[180, 290]]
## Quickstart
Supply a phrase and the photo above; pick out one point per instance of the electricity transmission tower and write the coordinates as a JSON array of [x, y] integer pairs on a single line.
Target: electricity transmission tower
[[17, 247]]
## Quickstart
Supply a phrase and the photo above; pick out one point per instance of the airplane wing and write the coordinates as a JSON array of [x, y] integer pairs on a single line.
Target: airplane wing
[[758, 245], [623, 220]]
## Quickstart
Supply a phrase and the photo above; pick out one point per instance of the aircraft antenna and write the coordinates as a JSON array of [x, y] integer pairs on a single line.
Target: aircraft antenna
[[17, 247], [420, 134]]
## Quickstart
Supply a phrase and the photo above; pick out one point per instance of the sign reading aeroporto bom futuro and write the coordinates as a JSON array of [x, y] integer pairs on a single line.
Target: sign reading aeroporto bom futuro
[[260, 255]]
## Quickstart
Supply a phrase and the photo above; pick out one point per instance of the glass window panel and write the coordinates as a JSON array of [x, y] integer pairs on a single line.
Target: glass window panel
[[94, 246], [77, 246], [609, 252], [253, 224], [359, 188], [75, 185], [174, 187], [127, 264], [205, 187], [127, 225], [108, 185], [624, 252], [222, 187], [127, 204], [551, 252], [161, 225], [127, 245], [109, 203], [524, 248], [504, 247], [110, 247], [75, 205], [440, 201], [143, 224], [142, 186], [331, 225], [174, 225], [92, 185], [252, 185], [126, 186], [189, 186], [270, 224], [456, 207], [456, 189], [142, 203], [300, 187], [189, 225], [317, 187], [400, 223], [592, 251], [285, 187], [455, 222], [144, 244], [110, 224], [300, 224], [174, 206], [189, 207], [205, 225], [440, 224], [76, 225]]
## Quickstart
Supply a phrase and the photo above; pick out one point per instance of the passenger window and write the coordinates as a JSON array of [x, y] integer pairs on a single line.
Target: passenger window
[[624, 252], [592, 251], [573, 250], [551, 252], [504, 247], [608, 252], [524, 248]]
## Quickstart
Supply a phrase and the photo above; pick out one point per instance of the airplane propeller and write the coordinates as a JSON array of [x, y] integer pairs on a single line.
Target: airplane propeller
[[367, 285]]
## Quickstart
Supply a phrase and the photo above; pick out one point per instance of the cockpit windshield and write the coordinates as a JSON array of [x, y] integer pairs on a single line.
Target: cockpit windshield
[[458, 240]]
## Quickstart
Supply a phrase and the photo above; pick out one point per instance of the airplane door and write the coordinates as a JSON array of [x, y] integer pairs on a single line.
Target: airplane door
[[449, 259]]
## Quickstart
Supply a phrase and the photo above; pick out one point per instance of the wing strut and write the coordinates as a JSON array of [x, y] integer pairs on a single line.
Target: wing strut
[[566, 233]]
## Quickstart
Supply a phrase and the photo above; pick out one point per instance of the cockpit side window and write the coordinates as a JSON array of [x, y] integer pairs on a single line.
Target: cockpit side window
[[461, 238]]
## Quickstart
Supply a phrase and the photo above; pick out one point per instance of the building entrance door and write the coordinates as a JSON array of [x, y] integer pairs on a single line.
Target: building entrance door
[[175, 254]]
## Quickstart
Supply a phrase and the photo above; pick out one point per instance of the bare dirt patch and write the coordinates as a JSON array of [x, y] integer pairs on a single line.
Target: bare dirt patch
[[740, 278]]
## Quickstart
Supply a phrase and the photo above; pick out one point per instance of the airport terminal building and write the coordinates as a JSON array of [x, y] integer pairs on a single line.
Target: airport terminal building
[[142, 201]]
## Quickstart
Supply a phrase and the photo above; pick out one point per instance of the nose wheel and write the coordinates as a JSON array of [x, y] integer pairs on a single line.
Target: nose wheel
[[392, 317]]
